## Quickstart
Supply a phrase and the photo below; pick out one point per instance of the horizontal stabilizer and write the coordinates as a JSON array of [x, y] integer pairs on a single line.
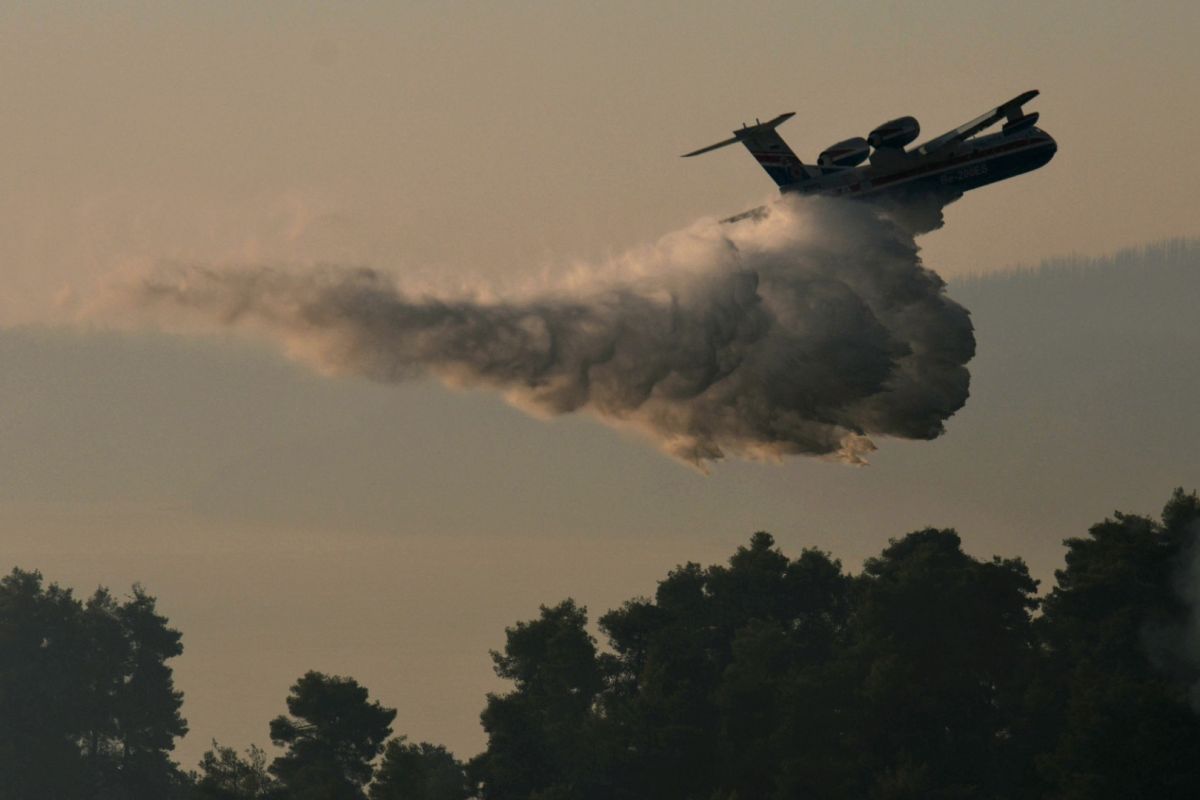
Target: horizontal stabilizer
[[711, 147], [769, 150], [745, 132]]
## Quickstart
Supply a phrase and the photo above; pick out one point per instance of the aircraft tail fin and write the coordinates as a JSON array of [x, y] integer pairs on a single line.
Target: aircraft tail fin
[[769, 150]]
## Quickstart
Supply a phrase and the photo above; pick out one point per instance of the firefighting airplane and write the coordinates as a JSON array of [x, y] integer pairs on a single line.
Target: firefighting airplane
[[942, 168]]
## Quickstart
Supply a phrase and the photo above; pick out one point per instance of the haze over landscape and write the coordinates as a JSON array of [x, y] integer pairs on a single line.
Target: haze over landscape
[[292, 520]]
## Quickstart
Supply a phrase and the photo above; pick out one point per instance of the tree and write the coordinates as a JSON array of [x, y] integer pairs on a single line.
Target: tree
[[926, 676], [939, 644], [87, 703], [133, 707], [540, 736], [419, 772], [705, 676], [332, 737], [43, 651], [772, 677], [225, 775], [1116, 720]]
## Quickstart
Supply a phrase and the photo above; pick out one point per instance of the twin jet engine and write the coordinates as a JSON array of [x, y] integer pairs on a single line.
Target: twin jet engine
[[894, 134]]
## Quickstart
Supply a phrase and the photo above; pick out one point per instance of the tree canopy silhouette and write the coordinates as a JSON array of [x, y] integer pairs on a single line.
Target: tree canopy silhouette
[[225, 775], [930, 674], [419, 772], [332, 736], [88, 705], [1122, 659]]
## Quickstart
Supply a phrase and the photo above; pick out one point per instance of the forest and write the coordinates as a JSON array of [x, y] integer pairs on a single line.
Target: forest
[[928, 674]]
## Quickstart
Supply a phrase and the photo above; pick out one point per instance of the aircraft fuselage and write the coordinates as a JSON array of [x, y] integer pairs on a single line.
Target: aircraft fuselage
[[968, 165]]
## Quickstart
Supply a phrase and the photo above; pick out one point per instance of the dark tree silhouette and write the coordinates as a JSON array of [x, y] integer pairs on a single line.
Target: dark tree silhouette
[[539, 734], [43, 652], [134, 709], [419, 772], [332, 737], [928, 675], [705, 674], [88, 706], [1118, 675], [225, 775], [939, 645]]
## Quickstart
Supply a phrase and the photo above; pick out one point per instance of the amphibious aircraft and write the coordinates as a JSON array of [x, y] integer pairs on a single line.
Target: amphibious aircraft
[[941, 169]]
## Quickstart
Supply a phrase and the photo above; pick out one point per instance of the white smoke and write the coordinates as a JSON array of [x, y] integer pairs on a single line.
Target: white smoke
[[804, 332]]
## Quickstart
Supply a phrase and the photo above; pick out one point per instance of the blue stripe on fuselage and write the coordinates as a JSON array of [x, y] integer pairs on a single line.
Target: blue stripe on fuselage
[[985, 160]]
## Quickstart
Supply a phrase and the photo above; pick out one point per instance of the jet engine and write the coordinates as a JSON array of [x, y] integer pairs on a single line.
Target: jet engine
[[849, 153], [895, 133]]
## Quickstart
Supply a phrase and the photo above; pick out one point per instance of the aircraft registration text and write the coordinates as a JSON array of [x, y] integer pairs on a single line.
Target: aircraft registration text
[[973, 171]]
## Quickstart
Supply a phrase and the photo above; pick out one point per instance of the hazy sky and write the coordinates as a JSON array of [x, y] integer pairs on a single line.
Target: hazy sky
[[457, 140], [291, 522]]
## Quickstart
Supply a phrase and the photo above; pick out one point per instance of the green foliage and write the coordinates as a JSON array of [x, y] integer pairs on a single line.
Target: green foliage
[[332, 737]]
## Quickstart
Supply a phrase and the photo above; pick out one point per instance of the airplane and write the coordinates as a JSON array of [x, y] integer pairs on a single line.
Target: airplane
[[942, 168]]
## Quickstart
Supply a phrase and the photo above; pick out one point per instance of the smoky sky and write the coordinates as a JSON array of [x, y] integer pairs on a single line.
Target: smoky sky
[[803, 333]]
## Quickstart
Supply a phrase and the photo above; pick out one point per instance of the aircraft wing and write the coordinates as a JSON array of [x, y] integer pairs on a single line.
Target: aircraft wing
[[1011, 109]]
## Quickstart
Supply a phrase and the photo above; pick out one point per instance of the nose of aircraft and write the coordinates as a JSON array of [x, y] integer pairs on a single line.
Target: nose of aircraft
[[1052, 146], [1047, 147]]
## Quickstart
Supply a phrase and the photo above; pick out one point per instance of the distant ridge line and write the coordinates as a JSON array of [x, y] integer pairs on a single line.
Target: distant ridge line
[[1164, 254]]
